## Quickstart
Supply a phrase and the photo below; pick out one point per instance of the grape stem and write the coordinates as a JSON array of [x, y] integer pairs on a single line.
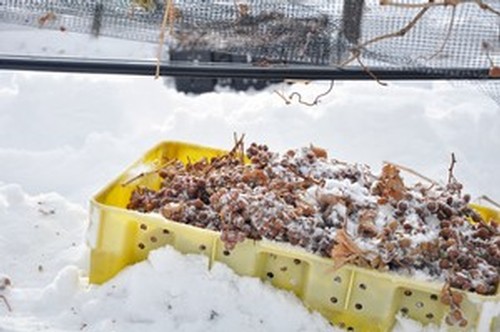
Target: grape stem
[[140, 175], [451, 177], [413, 172], [489, 200], [231, 153]]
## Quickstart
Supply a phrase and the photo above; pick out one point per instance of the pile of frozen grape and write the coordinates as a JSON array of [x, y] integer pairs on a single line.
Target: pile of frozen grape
[[334, 209]]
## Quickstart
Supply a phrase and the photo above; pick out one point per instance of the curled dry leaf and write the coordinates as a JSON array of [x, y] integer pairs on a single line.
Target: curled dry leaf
[[304, 209], [345, 251], [494, 72], [319, 152], [47, 17], [390, 184], [255, 177], [326, 200]]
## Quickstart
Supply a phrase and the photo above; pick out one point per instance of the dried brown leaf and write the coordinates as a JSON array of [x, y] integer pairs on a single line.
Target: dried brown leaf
[[345, 250], [494, 72], [325, 200], [319, 152], [390, 184], [255, 177]]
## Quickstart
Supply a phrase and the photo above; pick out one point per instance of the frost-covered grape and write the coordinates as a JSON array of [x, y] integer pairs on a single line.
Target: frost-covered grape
[[307, 200]]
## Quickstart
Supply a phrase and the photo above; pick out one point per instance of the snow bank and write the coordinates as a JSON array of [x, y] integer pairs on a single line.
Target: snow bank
[[39, 235], [72, 133], [43, 256]]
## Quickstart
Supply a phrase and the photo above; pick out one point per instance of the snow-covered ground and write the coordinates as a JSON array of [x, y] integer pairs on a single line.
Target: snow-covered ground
[[62, 137], [45, 258]]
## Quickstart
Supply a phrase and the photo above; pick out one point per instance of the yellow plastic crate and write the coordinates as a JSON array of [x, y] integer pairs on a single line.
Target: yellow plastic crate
[[354, 298]]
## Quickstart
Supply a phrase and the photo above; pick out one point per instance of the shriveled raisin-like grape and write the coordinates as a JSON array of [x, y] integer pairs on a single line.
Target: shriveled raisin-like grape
[[305, 199]]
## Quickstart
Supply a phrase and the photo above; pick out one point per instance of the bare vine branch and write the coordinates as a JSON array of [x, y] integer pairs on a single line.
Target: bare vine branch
[[400, 33], [282, 96], [448, 34], [424, 7], [288, 99], [486, 7], [431, 3], [369, 72], [415, 5]]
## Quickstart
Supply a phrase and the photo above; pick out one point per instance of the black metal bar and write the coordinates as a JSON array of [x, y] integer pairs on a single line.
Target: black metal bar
[[231, 70], [352, 14]]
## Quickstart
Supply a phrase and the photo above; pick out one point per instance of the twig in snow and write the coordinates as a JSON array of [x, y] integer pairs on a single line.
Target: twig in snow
[[6, 302], [302, 176], [411, 171], [282, 96], [288, 99]]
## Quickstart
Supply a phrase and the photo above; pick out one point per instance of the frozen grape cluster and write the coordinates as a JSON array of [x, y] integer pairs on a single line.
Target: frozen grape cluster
[[334, 209]]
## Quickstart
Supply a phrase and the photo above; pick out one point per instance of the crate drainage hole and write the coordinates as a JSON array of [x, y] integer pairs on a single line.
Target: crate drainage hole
[[296, 261], [350, 328], [141, 246], [337, 279], [166, 231], [358, 306], [153, 239], [270, 275], [419, 305], [283, 269], [362, 286], [408, 292], [429, 316], [226, 253], [405, 311], [333, 299], [202, 247], [434, 297], [144, 227]]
